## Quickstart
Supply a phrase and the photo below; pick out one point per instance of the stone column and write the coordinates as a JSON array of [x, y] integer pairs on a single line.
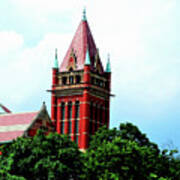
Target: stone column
[[85, 121]]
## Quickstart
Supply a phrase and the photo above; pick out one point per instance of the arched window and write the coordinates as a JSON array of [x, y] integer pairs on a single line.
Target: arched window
[[70, 69], [62, 117], [69, 117]]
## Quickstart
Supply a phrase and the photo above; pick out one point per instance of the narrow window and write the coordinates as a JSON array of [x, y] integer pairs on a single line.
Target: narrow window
[[62, 117], [76, 117], [64, 80], [69, 117], [76, 139], [71, 79], [78, 79], [76, 126], [77, 109]]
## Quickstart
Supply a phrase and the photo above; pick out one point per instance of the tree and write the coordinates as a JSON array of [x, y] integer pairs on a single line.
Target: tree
[[126, 131], [127, 154], [42, 157]]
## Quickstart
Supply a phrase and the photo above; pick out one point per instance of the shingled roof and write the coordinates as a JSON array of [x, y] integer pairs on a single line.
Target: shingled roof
[[14, 125], [82, 40]]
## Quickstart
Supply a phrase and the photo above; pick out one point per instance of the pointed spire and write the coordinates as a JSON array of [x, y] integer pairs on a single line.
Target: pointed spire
[[87, 60], [44, 105], [83, 34], [56, 60], [108, 65], [84, 15]]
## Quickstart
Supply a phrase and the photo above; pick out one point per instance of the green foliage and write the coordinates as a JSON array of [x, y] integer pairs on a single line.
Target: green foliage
[[128, 154], [6, 176], [42, 157]]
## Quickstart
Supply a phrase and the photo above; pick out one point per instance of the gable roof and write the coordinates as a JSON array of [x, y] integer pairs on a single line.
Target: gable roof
[[19, 124], [14, 125], [82, 40]]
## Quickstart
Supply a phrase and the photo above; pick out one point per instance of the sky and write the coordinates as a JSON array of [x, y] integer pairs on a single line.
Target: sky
[[140, 36]]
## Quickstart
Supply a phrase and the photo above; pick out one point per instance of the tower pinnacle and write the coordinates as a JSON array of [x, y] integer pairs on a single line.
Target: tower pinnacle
[[108, 65], [84, 15], [56, 60]]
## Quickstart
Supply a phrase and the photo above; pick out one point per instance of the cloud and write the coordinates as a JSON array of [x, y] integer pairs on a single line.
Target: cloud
[[10, 41], [29, 72]]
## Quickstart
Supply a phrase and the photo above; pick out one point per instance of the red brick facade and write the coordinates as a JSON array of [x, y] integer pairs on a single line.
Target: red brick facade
[[80, 92]]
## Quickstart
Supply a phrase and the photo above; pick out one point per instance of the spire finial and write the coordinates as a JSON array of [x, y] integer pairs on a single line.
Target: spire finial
[[56, 59], [56, 53], [108, 57], [108, 65], [84, 15], [43, 107]]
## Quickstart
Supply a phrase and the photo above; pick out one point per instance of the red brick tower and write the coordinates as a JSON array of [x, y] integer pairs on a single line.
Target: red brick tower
[[80, 89]]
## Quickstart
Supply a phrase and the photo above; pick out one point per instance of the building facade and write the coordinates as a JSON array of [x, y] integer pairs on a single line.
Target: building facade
[[80, 93]]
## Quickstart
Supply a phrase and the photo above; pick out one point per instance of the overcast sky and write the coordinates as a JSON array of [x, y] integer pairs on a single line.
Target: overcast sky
[[142, 39]]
